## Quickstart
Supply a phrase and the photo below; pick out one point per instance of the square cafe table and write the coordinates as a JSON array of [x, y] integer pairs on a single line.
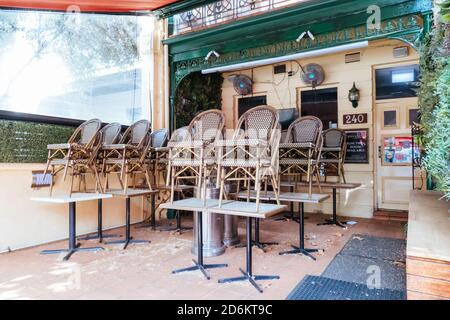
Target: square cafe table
[[291, 197], [248, 210], [334, 186], [130, 193], [196, 205], [71, 200]]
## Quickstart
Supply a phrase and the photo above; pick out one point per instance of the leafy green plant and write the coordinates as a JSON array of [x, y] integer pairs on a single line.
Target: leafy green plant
[[197, 93], [445, 11], [434, 102]]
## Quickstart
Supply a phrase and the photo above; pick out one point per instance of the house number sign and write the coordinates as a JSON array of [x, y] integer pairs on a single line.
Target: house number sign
[[356, 118]]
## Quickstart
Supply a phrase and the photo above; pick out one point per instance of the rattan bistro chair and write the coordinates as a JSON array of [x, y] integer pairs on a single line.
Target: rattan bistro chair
[[79, 146], [333, 152], [158, 153], [193, 157], [128, 157], [300, 153], [251, 156]]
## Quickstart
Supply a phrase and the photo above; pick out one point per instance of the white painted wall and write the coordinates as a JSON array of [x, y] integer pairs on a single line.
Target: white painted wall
[[283, 92]]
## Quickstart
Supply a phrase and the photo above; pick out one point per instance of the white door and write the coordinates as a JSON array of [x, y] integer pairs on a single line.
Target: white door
[[394, 151]]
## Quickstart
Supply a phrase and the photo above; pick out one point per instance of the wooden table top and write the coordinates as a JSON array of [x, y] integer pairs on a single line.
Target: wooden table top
[[76, 197]]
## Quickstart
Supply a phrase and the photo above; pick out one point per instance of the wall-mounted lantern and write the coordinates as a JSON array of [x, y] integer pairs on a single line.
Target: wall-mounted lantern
[[353, 95]]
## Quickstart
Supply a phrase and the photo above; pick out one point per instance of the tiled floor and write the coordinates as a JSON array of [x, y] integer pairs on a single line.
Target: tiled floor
[[144, 271]]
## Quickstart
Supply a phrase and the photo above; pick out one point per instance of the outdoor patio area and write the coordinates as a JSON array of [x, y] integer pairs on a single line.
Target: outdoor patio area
[[144, 271]]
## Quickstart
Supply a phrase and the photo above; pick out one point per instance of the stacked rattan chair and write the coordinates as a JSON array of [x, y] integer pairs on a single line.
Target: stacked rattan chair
[[76, 154], [158, 153], [251, 155], [333, 152], [193, 157], [301, 151], [129, 156]]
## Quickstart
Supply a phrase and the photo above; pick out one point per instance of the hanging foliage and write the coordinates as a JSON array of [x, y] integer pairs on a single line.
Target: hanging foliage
[[197, 93], [434, 102]]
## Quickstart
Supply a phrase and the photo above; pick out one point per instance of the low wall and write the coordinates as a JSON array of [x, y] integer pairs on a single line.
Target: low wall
[[428, 247], [25, 223]]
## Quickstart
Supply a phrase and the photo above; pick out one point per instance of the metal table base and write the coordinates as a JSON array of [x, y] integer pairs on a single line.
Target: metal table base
[[334, 220], [198, 264], [248, 274], [256, 242], [128, 239], [301, 248], [99, 235], [73, 245]]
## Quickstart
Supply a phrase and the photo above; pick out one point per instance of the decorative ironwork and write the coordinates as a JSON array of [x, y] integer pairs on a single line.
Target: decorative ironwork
[[407, 28], [224, 11]]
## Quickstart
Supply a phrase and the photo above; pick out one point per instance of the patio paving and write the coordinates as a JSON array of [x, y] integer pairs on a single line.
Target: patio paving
[[144, 271]]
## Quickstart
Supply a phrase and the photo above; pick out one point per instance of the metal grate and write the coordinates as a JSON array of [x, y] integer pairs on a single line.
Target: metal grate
[[225, 11]]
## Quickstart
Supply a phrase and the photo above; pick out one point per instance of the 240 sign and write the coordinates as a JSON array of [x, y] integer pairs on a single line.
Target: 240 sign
[[356, 118]]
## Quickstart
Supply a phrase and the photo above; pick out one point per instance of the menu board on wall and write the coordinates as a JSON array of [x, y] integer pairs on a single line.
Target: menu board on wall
[[357, 146]]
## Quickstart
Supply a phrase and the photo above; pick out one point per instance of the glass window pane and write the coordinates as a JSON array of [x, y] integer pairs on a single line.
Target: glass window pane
[[321, 104], [390, 118], [413, 116], [398, 82], [398, 150], [75, 65]]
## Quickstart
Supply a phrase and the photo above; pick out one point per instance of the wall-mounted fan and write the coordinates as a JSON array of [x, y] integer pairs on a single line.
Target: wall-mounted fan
[[242, 84], [313, 74]]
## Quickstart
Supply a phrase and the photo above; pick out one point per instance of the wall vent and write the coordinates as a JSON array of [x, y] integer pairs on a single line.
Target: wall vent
[[401, 52], [279, 69], [353, 57]]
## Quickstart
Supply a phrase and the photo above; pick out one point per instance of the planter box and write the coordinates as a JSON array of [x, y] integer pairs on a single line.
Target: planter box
[[428, 247]]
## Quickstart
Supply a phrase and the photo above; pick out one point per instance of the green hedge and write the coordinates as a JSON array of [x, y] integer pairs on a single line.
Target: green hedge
[[434, 101], [26, 142]]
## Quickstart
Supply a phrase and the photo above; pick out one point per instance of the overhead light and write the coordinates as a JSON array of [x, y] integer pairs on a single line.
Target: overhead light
[[295, 56], [301, 36], [213, 52], [305, 33]]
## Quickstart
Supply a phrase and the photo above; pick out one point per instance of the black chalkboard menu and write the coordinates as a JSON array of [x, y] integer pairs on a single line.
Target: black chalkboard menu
[[357, 146]]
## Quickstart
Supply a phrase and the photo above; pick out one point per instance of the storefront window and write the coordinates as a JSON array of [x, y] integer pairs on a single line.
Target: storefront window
[[321, 104], [398, 82], [75, 65]]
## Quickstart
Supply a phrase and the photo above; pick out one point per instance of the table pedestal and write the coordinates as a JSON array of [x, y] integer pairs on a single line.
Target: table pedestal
[[73, 245], [248, 274], [334, 220], [178, 228], [152, 223], [257, 242], [198, 264], [301, 248], [99, 234], [128, 239]]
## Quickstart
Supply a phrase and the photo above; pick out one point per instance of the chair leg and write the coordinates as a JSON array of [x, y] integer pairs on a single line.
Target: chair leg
[[222, 184], [257, 187], [71, 184], [147, 177], [172, 184], [53, 182], [276, 188]]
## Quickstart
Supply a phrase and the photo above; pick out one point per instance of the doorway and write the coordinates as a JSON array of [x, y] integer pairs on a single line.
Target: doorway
[[396, 106]]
